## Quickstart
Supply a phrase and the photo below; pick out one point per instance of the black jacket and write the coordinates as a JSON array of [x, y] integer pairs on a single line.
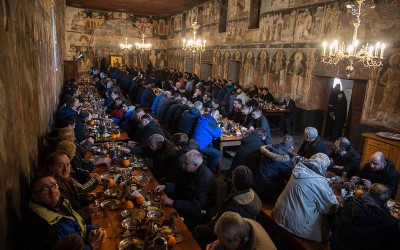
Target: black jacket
[[150, 129], [147, 98], [275, 168], [388, 176], [174, 122], [351, 162], [308, 149], [195, 197], [188, 121], [170, 112], [262, 122], [163, 107], [365, 223]]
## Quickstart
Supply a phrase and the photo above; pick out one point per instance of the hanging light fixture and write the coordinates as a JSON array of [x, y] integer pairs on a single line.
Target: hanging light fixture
[[125, 45], [371, 56], [194, 45], [143, 46]]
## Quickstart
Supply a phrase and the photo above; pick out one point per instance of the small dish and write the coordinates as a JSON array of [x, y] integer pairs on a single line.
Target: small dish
[[130, 243], [112, 192], [136, 213], [155, 214], [110, 204]]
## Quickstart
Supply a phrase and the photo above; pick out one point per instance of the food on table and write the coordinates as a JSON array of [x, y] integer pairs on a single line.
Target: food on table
[[358, 193], [166, 230], [129, 204], [140, 200], [91, 122], [171, 240], [126, 163]]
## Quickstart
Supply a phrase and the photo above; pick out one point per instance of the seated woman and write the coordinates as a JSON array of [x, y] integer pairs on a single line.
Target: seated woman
[[50, 217]]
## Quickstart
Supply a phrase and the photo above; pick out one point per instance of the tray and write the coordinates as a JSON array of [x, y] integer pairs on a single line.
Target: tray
[[388, 135]]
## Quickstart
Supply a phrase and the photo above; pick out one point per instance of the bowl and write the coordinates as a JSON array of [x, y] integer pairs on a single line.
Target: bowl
[[155, 214], [130, 243], [131, 223], [112, 192], [111, 204]]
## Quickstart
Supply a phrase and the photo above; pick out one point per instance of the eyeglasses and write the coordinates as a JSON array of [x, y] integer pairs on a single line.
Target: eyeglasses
[[47, 189]]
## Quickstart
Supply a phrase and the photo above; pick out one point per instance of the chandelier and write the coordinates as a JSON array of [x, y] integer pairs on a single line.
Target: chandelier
[[370, 55], [143, 46], [194, 45], [125, 46]]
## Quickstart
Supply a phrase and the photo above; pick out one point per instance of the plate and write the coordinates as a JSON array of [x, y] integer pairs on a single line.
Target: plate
[[137, 213], [389, 135], [131, 223], [112, 192], [155, 214], [112, 204], [166, 230], [130, 243], [107, 176]]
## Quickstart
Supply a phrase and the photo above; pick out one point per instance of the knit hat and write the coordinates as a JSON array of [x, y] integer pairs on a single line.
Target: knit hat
[[311, 132], [242, 178], [319, 163]]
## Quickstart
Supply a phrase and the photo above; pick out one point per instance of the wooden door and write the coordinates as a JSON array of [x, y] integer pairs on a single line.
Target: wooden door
[[355, 109], [70, 70]]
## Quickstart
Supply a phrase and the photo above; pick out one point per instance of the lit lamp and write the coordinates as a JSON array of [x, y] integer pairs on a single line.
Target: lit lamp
[[125, 46], [194, 45], [143, 46], [371, 56]]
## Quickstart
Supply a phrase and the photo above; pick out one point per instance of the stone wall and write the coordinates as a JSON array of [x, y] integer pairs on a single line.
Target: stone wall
[[30, 82]]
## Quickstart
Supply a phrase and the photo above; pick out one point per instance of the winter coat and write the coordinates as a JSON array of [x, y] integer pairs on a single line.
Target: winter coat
[[154, 106], [206, 130], [174, 123], [365, 223], [247, 154], [43, 226], [147, 98], [148, 130], [274, 170], [351, 162], [308, 149], [163, 107], [388, 176], [262, 122], [80, 127], [303, 205], [170, 113], [195, 197], [189, 121]]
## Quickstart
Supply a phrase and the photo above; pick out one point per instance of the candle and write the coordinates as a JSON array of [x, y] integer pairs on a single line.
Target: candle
[[382, 49], [330, 49], [324, 44], [377, 46]]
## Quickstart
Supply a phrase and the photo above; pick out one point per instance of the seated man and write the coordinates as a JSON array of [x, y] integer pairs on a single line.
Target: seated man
[[235, 233], [50, 218], [274, 170], [148, 128], [366, 223], [312, 143], [344, 158], [206, 130], [189, 119], [290, 117], [379, 170], [306, 200], [242, 200], [195, 197], [260, 121], [247, 115], [160, 150], [236, 114]]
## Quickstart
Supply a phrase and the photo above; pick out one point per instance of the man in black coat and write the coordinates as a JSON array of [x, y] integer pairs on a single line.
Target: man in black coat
[[148, 96], [344, 158], [274, 170], [248, 154], [312, 144], [379, 170], [260, 121], [196, 196], [164, 105], [189, 119], [366, 223], [288, 118], [148, 128], [236, 115], [160, 150]]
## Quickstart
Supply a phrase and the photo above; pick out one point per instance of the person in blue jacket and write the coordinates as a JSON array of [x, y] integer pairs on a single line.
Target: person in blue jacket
[[206, 130]]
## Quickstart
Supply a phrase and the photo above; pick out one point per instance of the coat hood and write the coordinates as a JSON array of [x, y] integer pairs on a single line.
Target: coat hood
[[276, 153], [368, 211], [194, 111], [305, 170], [251, 138], [249, 201]]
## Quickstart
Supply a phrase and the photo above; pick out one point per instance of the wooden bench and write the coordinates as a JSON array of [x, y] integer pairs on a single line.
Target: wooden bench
[[278, 233]]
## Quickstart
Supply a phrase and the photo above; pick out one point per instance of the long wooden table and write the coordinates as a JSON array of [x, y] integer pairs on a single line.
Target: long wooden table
[[114, 229], [227, 141], [276, 111]]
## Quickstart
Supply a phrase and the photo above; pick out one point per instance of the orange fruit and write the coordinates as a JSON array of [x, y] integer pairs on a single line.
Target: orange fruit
[[112, 183], [118, 135], [126, 163], [91, 109], [171, 240], [140, 200], [91, 122], [108, 155], [114, 136], [129, 205], [107, 146], [358, 193]]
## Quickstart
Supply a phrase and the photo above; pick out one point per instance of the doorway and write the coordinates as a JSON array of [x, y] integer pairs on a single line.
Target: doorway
[[189, 65], [205, 70], [234, 71]]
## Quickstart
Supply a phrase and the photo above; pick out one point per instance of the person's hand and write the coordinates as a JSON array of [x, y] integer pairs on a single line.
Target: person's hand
[[159, 188], [166, 201], [212, 246], [106, 161], [92, 208], [283, 106], [367, 183], [96, 238], [355, 179], [251, 128], [91, 140], [291, 149], [338, 167], [95, 116], [132, 144], [96, 176]]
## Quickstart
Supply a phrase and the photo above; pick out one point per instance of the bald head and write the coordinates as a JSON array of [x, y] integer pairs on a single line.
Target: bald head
[[377, 161], [380, 192]]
